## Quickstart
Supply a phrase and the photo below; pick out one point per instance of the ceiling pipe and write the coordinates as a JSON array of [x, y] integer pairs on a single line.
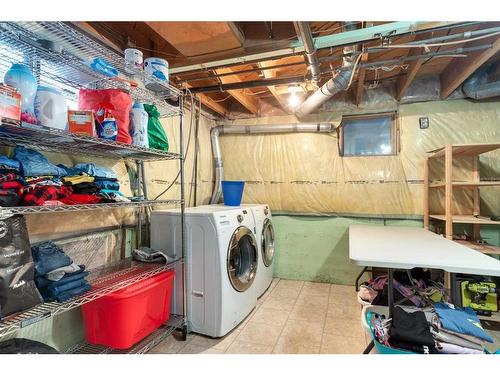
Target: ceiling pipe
[[305, 34], [248, 84], [338, 83], [217, 131], [390, 29]]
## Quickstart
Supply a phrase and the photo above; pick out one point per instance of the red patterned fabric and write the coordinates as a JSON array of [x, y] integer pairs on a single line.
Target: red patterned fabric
[[81, 199], [38, 195]]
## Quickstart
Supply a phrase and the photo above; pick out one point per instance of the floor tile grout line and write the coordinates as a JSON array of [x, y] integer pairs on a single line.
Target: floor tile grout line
[[288, 317], [253, 312], [324, 322]]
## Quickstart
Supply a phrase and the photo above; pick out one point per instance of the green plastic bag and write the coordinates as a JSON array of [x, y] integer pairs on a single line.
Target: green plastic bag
[[156, 135]]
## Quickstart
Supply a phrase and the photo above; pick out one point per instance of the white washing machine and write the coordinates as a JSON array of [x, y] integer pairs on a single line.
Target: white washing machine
[[266, 240], [221, 264]]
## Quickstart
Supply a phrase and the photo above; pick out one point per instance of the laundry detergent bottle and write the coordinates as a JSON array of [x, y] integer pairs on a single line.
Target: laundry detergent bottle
[[108, 128], [20, 77], [139, 125]]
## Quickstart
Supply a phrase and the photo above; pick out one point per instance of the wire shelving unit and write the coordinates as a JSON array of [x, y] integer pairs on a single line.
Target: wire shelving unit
[[66, 65]]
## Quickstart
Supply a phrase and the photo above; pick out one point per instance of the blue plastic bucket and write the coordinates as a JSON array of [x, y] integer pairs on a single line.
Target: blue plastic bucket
[[232, 192]]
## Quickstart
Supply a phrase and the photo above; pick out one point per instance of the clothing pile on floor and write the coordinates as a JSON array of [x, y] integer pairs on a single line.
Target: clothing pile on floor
[[418, 291], [29, 179], [57, 277], [443, 329]]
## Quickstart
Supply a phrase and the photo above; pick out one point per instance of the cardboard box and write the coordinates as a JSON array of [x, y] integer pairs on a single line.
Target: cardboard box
[[81, 122], [10, 103]]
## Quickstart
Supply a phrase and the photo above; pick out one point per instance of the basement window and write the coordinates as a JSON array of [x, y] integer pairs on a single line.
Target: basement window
[[369, 135]]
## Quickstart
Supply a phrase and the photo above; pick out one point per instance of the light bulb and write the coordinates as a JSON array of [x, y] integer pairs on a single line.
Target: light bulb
[[293, 100]]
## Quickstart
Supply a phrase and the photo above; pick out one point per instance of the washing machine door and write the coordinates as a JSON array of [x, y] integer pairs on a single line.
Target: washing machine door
[[242, 259], [267, 244]]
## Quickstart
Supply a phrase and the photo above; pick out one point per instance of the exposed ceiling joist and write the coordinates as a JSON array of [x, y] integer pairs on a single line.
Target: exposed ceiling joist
[[272, 89], [251, 103], [361, 81], [459, 69], [199, 38], [328, 41], [404, 81], [213, 105]]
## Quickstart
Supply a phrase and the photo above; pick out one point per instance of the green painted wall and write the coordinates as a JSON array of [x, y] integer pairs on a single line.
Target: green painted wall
[[317, 248]]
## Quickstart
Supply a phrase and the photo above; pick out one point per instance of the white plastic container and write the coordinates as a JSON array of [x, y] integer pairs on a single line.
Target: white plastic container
[[157, 68], [133, 60], [51, 108], [139, 125]]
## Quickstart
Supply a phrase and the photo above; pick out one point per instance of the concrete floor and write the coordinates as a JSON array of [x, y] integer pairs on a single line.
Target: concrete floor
[[292, 317]]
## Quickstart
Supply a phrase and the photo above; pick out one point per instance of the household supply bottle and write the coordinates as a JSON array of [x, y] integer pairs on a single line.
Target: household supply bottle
[[51, 108], [139, 125], [20, 77]]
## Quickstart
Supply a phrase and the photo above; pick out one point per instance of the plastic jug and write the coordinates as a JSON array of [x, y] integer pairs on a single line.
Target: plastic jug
[[20, 77], [139, 125], [51, 108], [157, 69]]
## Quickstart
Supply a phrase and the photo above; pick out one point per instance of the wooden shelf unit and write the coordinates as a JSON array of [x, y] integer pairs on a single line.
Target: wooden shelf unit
[[448, 152]]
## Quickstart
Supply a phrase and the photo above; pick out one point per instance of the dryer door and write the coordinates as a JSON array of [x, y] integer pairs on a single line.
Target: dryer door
[[267, 242], [242, 259]]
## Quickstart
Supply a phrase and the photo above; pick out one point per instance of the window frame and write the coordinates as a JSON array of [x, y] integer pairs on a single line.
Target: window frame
[[394, 133]]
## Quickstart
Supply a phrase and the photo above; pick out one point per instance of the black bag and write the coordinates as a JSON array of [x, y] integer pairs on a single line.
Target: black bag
[[25, 346], [17, 289]]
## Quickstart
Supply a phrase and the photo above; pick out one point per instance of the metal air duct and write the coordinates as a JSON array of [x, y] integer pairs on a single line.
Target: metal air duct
[[304, 31], [254, 129], [334, 85], [477, 86]]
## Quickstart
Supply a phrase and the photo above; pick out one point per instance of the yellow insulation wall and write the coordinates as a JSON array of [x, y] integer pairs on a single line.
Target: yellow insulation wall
[[304, 172]]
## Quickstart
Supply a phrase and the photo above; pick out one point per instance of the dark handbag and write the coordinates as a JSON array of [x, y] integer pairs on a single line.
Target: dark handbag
[[17, 289]]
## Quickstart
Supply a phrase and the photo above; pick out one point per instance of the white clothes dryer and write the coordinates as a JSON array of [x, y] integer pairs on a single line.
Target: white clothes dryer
[[266, 239], [221, 263]]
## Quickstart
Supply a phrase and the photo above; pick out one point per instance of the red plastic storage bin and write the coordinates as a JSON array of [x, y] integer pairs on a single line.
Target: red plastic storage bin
[[123, 318]]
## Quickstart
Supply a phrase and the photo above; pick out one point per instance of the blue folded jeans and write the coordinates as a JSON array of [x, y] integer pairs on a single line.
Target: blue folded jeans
[[57, 290], [43, 282], [94, 170], [48, 296], [48, 257], [35, 164]]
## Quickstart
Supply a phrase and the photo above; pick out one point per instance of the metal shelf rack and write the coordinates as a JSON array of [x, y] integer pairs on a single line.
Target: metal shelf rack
[[70, 66], [66, 66], [80, 207], [103, 280], [13, 133], [142, 347]]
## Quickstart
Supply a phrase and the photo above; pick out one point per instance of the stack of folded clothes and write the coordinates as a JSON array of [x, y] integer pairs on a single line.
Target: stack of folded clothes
[[56, 276], [458, 330], [30, 179], [441, 329], [105, 182], [11, 182], [41, 177]]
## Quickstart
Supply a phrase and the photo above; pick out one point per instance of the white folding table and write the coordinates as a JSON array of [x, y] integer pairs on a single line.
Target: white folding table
[[405, 248]]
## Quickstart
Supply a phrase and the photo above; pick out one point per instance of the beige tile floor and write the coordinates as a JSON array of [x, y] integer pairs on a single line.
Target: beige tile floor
[[292, 317]]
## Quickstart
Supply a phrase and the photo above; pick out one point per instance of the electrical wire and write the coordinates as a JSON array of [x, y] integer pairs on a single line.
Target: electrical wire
[[187, 146], [440, 44], [354, 70], [255, 93], [221, 100]]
